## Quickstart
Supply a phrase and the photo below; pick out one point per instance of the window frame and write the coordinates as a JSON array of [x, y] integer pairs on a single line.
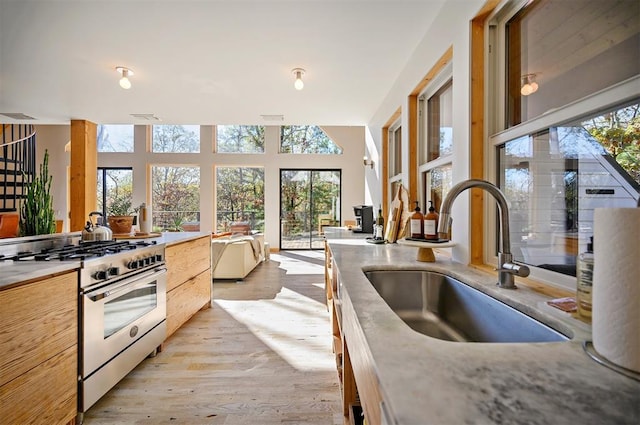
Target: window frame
[[496, 133], [444, 78]]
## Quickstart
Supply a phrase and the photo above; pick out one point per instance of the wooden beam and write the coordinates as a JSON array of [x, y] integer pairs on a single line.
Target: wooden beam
[[477, 142], [83, 173]]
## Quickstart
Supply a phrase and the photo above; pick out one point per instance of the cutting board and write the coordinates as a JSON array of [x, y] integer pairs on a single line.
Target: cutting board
[[395, 214]]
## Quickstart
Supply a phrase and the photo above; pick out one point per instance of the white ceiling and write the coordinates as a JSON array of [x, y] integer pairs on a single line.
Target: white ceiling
[[205, 62]]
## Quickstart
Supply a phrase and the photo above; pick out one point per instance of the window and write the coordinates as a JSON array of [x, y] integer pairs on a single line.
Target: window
[[239, 197], [115, 191], [395, 150], [240, 139], [175, 197], [572, 49], [572, 145], [306, 139], [176, 138], [435, 132], [115, 138]]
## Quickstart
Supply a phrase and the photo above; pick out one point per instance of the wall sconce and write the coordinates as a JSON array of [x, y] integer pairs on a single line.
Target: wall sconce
[[124, 77], [368, 162], [298, 72], [529, 85]]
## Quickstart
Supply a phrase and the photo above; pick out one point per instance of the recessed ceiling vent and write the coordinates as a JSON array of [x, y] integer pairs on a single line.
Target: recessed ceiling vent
[[17, 116], [273, 117], [146, 117]]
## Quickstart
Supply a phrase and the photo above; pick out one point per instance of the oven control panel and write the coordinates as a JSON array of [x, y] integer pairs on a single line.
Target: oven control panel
[[119, 265]]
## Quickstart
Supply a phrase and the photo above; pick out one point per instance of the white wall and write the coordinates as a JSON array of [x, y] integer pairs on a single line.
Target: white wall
[[450, 28], [351, 139]]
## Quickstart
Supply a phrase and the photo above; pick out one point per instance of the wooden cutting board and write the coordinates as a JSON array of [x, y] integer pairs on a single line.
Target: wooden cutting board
[[395, 214]]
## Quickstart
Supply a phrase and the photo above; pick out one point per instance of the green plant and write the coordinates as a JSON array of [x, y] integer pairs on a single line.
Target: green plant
[[121, 206], [36, 212]]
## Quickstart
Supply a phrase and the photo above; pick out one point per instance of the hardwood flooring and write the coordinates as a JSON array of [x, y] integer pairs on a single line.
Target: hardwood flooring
[[261, 356]]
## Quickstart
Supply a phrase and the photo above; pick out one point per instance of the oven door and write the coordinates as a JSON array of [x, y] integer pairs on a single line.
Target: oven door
[[119, 313]]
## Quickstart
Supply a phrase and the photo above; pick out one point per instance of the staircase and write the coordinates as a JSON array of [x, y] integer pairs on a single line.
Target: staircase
[[17, 163]]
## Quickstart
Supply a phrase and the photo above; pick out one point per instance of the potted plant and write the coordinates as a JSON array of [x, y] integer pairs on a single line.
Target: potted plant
[[36, 211], [121, 216]]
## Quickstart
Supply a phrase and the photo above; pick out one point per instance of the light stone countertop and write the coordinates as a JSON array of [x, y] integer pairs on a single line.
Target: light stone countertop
[[424, 380]]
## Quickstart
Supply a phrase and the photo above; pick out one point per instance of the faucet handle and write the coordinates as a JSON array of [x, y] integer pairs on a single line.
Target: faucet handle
[[516, 269]]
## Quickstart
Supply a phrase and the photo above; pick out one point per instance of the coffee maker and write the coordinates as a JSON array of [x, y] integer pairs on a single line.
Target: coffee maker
[[364, 218]]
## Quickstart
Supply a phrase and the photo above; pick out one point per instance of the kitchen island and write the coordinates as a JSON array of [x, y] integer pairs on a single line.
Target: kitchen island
[[403, 377]]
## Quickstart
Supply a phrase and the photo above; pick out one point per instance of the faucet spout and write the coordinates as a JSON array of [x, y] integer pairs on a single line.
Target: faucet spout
[[506, 268]]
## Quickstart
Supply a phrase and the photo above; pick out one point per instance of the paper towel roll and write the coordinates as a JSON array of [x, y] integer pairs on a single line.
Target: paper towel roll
[[616, 286]]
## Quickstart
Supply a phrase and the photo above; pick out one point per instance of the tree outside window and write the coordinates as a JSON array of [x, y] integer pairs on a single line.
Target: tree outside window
[[240, 139], [306, 139], [175, 198], [240, 197], [176, 138]]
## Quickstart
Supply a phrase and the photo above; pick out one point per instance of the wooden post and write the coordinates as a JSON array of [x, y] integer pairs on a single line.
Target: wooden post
[[83, 174]]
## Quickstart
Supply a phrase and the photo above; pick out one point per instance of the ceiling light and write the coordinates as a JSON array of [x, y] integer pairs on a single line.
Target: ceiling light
[[124, 79], [529, 85], [298, 72]]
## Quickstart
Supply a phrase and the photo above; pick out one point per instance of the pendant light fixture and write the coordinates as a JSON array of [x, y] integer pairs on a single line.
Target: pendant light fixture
[[124, 77], [298, 72]]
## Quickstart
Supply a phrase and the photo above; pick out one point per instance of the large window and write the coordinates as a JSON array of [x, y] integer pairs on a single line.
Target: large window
[[240, 139], [306, 139], [435, 135], [115, 191], [176, 138], [239, 197], [175, 198], [568, 141], [395, 150], [115, 138]]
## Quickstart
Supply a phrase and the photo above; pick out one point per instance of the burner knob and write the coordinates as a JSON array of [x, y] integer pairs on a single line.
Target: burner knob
[[147, 261], [158, 257], [100, 275], [132, 265], [140, 263], [113, 271]]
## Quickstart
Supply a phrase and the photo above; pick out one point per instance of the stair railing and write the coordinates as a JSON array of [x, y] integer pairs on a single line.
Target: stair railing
[[17, 163]]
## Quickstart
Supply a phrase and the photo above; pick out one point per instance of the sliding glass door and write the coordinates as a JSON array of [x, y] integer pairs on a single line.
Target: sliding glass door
[[309, 202]]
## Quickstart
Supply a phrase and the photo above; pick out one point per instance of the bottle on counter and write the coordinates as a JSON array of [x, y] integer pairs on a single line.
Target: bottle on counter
[[584, 268], [431, 223], [379, 227], [416, 223]]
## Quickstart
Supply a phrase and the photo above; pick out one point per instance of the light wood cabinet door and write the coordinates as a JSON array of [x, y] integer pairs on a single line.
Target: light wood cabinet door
[[186, 260], [187, 299], [37, 321]]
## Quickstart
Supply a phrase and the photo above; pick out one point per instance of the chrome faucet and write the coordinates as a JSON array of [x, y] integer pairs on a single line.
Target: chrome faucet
[[507, 269]]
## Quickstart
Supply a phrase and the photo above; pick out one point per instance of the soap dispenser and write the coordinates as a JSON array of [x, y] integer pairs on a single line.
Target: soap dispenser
[[417, 223], [431, 223]]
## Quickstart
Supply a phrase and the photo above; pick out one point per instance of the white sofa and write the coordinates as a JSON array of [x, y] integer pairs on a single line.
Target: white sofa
[[234, 257]]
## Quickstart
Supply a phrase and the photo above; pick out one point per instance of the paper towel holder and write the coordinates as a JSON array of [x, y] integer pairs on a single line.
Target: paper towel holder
[[599, 358]]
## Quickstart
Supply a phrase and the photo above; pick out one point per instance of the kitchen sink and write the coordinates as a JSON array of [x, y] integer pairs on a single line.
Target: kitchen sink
[[442, 307]]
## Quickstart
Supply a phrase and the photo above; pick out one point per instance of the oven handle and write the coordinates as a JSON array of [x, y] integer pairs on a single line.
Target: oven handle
[[120, 286]]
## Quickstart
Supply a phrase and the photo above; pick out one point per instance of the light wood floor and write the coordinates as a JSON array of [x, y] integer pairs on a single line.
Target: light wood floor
[[261, 356]]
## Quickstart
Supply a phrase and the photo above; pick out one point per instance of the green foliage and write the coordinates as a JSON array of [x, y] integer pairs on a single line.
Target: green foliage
[[306, 139], [241, 190], [36, 213], [239, 139], [120, 205], [619, 133], [176, 138]]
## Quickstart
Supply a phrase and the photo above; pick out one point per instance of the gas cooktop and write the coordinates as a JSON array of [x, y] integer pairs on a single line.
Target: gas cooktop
[[80, 251]]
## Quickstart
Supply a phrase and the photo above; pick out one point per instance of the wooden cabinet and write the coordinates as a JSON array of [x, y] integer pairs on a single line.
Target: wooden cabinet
[[39, 356], [356, 371], [188, 280]]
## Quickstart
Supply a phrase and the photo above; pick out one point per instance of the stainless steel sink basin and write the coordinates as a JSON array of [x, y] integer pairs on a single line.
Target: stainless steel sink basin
[[443, 307]]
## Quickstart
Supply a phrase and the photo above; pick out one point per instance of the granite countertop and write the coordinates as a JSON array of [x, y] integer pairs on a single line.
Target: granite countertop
[[424, 380]]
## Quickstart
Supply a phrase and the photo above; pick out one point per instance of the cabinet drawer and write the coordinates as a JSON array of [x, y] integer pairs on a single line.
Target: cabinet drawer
[[37, 321], [187, 299], [187, 260]]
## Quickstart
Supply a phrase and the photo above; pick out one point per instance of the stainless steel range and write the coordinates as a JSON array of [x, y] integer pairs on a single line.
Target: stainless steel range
[[122, 305]]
